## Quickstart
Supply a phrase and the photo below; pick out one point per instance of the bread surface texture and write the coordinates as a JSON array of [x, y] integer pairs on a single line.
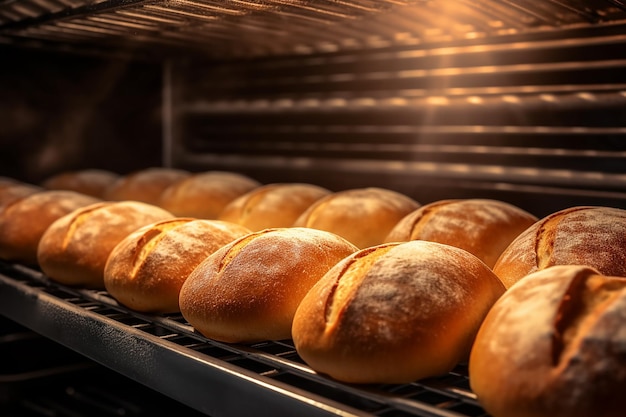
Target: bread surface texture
[[584, 235], [75, 248], [145, 185], [249, 290], [363, 216], [554, 345], [482, 227], [93, 182], [12, 191], [204, 195], [395, 313], [24, 220], [146, 270], [272, 205]]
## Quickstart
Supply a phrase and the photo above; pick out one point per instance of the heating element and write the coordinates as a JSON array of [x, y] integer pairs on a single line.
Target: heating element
[[219, 379]]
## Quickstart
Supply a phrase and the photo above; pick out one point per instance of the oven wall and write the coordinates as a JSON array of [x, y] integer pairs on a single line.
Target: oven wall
[[61, 111]]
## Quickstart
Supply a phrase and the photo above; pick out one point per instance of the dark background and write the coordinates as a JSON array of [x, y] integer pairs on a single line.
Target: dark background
[[66, 111]]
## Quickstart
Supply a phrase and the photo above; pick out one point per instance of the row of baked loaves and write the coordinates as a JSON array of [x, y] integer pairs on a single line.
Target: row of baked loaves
[[437, 284]]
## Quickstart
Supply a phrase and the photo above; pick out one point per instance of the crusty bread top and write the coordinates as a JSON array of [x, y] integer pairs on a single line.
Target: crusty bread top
[[249, 289], [482, 227], [364, 286], [204, 195], [75, 248], [272, 205], [12, 191], [395, 312], [93, 182], [363, 216], [146, 270], [559, 332], [24, 220], [145, 185], [584, 235]]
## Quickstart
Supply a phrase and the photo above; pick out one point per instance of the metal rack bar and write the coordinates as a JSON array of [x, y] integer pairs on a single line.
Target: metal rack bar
[[164, 353]]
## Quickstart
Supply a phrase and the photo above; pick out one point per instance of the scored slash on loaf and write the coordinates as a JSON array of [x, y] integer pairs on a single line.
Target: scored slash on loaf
[[146, 270], [395, 313]]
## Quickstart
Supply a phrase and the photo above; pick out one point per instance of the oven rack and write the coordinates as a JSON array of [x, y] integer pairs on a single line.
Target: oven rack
[[244, 28], [164, 353]]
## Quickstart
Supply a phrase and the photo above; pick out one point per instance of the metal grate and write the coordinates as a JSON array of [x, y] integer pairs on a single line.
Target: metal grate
[[166, 354], [260, 28], [537, 121]]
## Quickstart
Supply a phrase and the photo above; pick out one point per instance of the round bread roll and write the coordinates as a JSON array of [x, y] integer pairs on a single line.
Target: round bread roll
[[395, 313], [554, 346], [24, 220], [205, 195], [7, 180], [146, 270], [145, 185], [363, 216], [93, 182], [482, 227], [272, 205], [593, 236], [249, 290], [75, 248], [12, 191]]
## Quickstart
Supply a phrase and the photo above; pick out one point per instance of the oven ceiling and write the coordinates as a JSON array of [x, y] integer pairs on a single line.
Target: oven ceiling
[[245, 28]]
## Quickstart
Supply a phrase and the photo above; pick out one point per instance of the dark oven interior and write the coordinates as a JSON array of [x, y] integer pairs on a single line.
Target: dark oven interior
[[520, 101]]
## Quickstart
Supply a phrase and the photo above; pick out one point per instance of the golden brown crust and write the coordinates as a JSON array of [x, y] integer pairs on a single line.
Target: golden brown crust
[[395, 313], [554, 345], [75, 248], [482, 227], [11, 191], [146, 270], [249, 289], [24, 220], [272, 205], [205, 195], [362, 216], [593, 236], [93, 182], [145, 185]]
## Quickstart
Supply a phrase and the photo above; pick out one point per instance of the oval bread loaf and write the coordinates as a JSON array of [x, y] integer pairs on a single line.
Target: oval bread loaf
[[272, 205], [146, 270], [593, 236], [249, 290], [93, 182], [145, 185], [363, 216], [482, 227], [204, 195], [395, 313], [554, 345], [10, 192], [23, 221], [75, 248]]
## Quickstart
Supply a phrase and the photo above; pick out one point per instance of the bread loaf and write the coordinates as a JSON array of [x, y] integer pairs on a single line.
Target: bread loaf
[[395, 313], [11, 191], [249, 290], [146, 270], [482, 227], [204, 195], [24, 220], [75, 248], [593, 236], [145, 185], [363, 216], [93, 182], [272, 205], [554, 345]]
